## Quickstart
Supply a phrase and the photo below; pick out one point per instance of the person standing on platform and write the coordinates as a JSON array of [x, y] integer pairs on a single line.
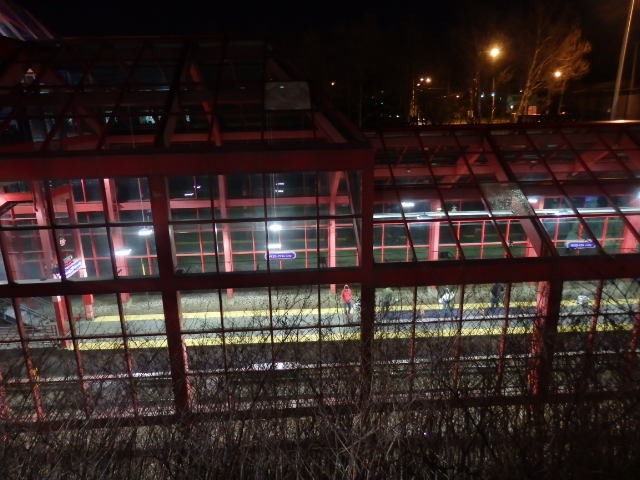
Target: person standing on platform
[[446, 299], [497, 291], [387, 297], [347, 301]]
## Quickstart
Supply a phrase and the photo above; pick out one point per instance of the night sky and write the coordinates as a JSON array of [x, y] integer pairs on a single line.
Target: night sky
[[603, 22]]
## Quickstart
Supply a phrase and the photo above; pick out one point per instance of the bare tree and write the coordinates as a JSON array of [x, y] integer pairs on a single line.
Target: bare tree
[[553, 45]]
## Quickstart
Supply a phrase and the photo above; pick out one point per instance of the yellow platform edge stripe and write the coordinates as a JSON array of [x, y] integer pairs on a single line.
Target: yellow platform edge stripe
[[252, 338], [328, 310]]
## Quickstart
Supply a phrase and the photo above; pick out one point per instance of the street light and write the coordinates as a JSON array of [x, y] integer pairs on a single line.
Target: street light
[[558, 76], [494, 53], [414, 110]]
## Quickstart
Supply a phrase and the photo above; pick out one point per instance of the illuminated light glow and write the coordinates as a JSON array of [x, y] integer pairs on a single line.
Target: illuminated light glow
[[189, 194], [275, 227], [533, 199], [274, 246], [279, 190], [145, 231], [408, 204], [122, 252], [501, 213]]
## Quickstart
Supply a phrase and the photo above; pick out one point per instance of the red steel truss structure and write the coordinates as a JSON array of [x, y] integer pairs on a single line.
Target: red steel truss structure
[[178, 216]]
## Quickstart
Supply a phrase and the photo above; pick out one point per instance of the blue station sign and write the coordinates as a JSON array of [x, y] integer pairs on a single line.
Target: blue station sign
[[280, 256], [580, 245]]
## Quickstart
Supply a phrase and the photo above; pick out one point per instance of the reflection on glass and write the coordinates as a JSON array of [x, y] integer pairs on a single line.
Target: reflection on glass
[[135, 254], [195, 247], [30, 255]]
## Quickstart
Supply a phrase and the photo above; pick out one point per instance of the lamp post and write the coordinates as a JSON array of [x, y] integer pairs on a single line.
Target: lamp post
[[414, 108], [623, 52], [558, 76], [494, 53]]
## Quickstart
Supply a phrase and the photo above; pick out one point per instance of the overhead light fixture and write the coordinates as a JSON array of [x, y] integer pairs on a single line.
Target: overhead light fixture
[[145, 231], [407, 204], [122, 252], [275, 227], [274, 246]]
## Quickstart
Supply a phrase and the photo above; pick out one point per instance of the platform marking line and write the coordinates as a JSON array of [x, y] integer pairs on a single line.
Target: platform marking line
[[252, 338]]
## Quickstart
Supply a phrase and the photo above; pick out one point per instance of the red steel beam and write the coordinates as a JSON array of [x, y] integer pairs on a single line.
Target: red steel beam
[[545, 329], [170, 296]]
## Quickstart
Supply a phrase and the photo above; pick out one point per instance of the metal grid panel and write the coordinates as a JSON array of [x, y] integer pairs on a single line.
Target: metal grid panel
[[201, 319]]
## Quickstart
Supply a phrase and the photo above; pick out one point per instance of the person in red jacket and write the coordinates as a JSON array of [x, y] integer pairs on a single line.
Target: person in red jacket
[[347, 300]]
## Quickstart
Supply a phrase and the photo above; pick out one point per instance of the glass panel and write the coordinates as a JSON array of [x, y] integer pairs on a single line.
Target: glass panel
[[569, 237], [515, 236], [37, 315], [129, 199], [135, 251], [346, 245], [96, 253], [292, 245], [291, 194], [195, 247], [190, 196], [77, 201], [19, 209], [506, 199], [248, 243], [3, 271], [392, 243], [420, 236], [480, 240], [447, 247], [30, 254], [607, 231]]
